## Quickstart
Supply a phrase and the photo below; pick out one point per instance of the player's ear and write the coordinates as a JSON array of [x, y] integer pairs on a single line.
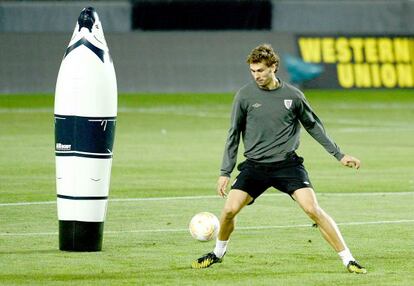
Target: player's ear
[[277, 66], [274, 68]]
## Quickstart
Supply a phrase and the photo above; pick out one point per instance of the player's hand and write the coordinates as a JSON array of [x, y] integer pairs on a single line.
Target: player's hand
[[222, 183], [350, 162]]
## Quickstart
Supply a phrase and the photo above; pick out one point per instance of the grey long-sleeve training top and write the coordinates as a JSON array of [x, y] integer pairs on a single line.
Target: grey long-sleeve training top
[[269, 122]]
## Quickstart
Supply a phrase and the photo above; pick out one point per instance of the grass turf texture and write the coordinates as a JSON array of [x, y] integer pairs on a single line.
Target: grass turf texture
[[171, 146]]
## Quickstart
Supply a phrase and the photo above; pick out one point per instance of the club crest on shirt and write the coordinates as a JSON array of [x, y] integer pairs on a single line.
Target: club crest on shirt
[[288, 103]]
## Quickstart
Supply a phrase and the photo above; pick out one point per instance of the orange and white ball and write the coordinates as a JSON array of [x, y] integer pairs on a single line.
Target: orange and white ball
[[204, 226]]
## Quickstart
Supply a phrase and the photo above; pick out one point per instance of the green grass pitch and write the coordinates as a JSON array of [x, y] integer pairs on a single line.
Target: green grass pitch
[[167, 155]]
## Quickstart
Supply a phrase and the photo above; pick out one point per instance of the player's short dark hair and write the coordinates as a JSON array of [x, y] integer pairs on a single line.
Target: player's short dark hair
[[263, 53]]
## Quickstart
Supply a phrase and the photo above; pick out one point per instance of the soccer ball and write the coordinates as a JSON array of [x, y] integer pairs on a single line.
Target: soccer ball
[[204, 226]]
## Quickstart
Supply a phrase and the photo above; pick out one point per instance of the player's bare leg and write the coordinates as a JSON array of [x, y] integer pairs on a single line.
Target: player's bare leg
[[306, 198], [236, 200]]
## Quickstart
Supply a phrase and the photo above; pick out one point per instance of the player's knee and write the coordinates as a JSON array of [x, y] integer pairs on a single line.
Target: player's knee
[[229, 212], [313, 211]]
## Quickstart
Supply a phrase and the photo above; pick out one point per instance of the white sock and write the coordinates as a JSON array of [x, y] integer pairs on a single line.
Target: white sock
[[346, 256], [220, 249]]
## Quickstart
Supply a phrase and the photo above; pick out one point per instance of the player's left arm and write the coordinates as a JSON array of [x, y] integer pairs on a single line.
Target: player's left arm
[[351, 162], [314, 127]]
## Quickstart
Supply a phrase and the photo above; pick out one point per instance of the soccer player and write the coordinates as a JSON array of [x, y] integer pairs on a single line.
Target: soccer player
[[267, 112]]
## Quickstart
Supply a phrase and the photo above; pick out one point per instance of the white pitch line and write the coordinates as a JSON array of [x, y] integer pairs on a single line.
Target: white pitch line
[[166, 230], [158, 111], [217, 197], [164, 108], [117, 200]]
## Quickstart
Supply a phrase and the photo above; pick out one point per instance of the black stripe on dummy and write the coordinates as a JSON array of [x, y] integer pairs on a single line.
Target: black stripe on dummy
[[81, 198], [97, 51], [91, 137], [77, 154], [80, 235]]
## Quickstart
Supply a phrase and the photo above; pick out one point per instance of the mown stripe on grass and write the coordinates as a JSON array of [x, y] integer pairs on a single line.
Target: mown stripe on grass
[[362, 194], [264, 227]]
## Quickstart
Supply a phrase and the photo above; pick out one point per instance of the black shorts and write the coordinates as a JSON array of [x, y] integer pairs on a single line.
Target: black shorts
[[287, 176]]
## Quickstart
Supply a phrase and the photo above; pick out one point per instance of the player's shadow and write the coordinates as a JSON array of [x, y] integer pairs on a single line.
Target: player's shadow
[[92, 278], [30, 251]]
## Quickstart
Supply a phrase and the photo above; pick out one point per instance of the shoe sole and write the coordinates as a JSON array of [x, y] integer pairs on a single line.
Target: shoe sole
[[197, 265], [357, 270]]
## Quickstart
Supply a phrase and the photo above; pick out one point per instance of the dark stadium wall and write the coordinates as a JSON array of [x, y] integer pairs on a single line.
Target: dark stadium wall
[[202, 15], [201, 46], [146, 62]]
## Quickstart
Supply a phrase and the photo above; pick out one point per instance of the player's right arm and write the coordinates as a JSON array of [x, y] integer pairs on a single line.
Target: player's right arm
[[233, 137], [222, 183], [237, 124]]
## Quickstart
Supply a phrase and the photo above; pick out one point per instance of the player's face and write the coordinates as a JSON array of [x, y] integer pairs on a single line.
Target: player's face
[[263, 74]]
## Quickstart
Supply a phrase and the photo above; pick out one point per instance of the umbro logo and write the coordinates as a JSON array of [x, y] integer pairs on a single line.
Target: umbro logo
[[256, 105]]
